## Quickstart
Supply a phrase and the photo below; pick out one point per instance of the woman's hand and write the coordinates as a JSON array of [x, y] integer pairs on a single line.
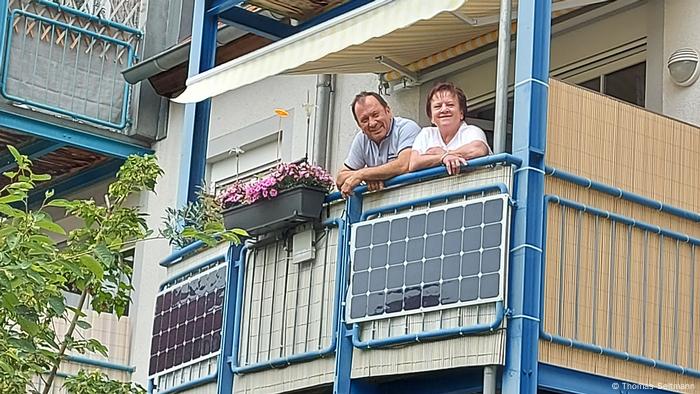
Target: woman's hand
[[453, 163]]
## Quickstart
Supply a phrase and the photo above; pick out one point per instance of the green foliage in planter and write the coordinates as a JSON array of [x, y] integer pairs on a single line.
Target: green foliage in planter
[[198, 220], [35, 272]]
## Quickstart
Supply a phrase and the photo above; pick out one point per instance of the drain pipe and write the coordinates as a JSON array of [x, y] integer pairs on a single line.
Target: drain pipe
[[490, 379], [501, 111], [322, 119]]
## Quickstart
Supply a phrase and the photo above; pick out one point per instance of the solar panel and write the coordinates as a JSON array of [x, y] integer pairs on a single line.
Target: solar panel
[[188, 320], [440, 257]]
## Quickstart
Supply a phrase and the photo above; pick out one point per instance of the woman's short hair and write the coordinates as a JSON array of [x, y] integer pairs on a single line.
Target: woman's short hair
[[450, 88], [361, 97]]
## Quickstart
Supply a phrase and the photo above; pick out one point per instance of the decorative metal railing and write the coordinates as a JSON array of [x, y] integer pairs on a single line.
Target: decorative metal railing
[[68, 63]]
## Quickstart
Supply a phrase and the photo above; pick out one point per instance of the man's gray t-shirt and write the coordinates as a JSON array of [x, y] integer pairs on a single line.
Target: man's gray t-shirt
[[366, 153]]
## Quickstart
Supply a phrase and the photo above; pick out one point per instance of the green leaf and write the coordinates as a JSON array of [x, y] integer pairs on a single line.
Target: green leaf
[[59, 203], [57, 304], [28, 326], [49, 225], [10, 198], [93, 266], [239, 231], [40, 177], [14, 152], [83, 324], [10, 299], [104, 254], [8, 211]]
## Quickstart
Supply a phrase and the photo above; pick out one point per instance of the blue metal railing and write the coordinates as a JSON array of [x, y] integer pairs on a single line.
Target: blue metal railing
[[92, 18], [632, 223], [173, 259], [69, 108], [435, 172], [299, 357], [619, 193]]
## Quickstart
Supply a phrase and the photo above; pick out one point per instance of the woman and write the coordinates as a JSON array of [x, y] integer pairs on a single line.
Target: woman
[[452, 141]]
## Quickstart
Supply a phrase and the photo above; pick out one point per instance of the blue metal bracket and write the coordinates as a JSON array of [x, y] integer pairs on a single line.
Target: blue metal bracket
[[81, 139], [256, 23]]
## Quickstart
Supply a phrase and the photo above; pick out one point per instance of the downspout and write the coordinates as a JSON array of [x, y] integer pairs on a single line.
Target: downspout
[[322, 119], [501, 111]]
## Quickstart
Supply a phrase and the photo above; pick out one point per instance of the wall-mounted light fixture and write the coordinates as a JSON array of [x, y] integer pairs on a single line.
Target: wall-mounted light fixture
[[683, 66]]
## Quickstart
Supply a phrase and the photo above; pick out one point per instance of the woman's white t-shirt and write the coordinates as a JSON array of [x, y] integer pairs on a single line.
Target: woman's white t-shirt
[[429, 137]]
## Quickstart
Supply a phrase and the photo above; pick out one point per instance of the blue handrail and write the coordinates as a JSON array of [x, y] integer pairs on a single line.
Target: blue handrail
[[619, 193], [99, 363], [295, 358], [429, 173], [177, 255]]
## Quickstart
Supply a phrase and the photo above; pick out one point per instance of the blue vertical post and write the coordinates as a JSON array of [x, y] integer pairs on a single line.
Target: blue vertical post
[[3, 32], [224, 384], [529, 140], [195, 128], [344, 349]]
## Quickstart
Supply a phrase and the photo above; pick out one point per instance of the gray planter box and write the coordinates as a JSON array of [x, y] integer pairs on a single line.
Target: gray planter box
[[290, 208]]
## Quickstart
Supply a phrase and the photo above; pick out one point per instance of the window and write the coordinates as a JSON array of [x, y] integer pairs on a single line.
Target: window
[[627, 84]]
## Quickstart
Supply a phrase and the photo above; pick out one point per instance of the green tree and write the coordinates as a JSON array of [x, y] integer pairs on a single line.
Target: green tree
[[35, 272]]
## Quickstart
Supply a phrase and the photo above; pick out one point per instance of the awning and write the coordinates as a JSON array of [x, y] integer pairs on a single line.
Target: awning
[[324, 48], [403, 32]]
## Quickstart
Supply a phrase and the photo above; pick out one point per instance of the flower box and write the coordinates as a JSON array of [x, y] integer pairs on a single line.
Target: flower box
[[291, 207]]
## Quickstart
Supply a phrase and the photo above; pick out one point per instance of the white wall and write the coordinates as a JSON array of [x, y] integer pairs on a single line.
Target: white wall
[[681, 18], [148, 274], [244, 116]]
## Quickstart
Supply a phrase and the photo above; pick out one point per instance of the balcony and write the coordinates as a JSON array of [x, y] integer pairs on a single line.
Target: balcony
[[619, 277]]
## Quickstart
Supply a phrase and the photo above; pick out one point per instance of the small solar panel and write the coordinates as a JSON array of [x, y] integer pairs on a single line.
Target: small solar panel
[[188, 320], [440, 257]]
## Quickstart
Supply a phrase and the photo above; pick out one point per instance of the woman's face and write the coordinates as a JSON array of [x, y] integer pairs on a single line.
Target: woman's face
[[445, 111]]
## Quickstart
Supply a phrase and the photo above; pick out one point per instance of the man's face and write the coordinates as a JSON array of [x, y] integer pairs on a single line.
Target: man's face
[[445, 111], [373, 118]]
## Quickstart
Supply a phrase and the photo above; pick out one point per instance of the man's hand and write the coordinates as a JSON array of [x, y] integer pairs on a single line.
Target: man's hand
[[354, 179], [453, 163], [374, 186]]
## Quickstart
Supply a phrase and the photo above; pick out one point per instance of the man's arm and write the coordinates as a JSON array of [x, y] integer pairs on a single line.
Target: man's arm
[[352, 178], [343, 174]]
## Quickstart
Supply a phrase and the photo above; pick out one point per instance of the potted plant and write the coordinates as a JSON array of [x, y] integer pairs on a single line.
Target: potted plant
[[198, 220], [289, 195]]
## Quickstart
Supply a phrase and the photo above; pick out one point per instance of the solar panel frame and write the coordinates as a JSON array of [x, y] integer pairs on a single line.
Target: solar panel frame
[[415, 266], [205, 305]]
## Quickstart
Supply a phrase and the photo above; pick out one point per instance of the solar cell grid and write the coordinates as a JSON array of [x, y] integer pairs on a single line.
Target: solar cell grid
[[439, 257], [188, 319]]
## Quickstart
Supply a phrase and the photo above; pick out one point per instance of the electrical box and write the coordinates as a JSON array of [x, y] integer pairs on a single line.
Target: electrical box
[[303, 245]]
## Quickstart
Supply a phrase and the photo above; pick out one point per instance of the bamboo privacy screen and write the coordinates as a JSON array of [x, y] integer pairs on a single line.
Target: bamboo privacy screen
[[607, 282]]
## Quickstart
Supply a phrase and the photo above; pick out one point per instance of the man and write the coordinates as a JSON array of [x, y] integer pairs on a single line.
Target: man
[[382, 150]]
